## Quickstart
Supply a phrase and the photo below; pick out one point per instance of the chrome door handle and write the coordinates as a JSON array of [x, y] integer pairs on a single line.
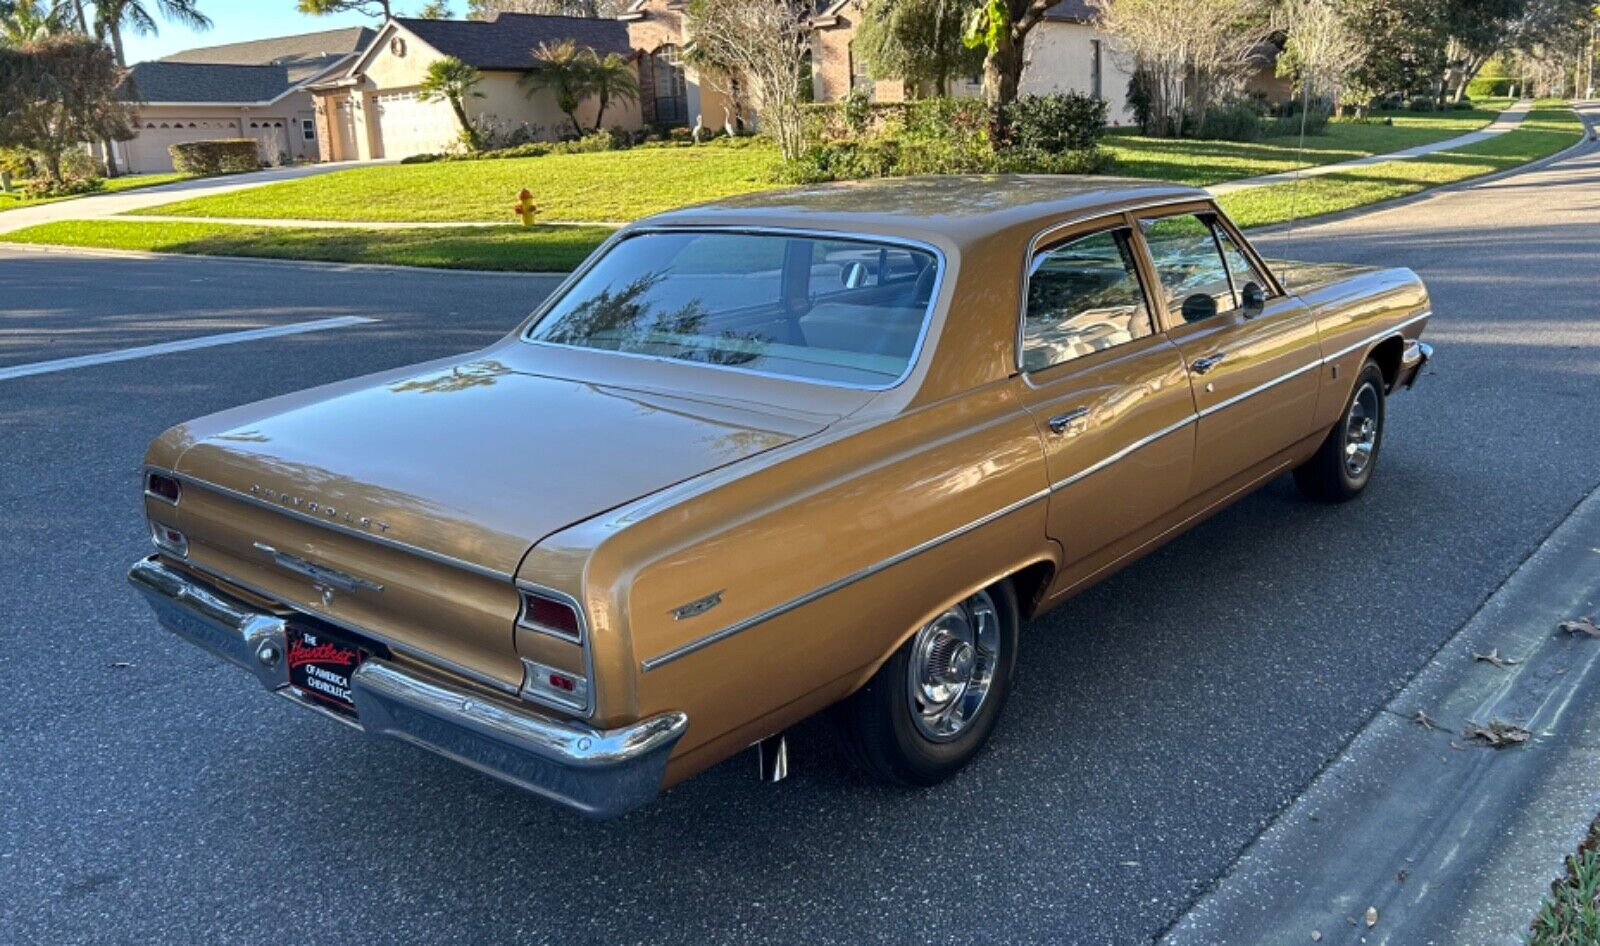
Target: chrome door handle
[[1060, 422], [1202, 365]]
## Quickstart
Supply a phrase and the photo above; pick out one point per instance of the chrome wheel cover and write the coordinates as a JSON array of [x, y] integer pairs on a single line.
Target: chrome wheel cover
[[1361, 430], [952, 665]]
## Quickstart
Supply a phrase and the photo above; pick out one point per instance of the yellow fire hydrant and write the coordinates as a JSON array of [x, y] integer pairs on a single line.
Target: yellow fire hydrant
[[525, 207]]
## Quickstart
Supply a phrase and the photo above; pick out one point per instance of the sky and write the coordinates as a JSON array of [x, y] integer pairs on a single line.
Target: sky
[[238, 20]]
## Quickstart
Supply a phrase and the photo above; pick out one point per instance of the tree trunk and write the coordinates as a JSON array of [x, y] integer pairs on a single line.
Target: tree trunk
[[600, 103], [576, 125], [122, 60], [1002, 73], [83, 20], [467, 128]]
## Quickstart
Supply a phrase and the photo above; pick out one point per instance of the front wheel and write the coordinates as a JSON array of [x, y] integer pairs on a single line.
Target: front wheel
[[1342, 466], [932, 705]]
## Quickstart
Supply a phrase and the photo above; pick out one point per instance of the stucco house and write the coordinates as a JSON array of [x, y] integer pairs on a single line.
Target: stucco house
[[241, 90]]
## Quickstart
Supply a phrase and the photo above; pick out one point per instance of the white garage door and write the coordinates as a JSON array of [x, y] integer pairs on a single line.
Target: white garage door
[[407, 125], [147, 153]]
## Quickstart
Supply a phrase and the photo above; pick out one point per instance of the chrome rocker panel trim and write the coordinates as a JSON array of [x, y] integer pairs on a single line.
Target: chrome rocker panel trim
[[601, 773]]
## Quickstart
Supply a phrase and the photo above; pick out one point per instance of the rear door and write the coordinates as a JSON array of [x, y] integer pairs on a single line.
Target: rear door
[[1253, 361], [1107, 389]]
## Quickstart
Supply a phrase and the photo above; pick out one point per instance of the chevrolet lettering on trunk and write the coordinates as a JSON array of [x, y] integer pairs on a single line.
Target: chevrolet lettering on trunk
[[824, 448]]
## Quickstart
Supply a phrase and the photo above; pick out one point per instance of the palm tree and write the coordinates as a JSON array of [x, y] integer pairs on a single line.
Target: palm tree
[[567, 71], [612, 79], [28, 22], [451, 80], [111, 16]]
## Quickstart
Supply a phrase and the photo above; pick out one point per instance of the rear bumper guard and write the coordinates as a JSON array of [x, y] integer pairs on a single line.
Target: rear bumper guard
[[601, 773]]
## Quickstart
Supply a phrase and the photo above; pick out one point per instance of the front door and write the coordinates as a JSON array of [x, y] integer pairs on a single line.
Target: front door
[[1109, 393], [1251, 349]]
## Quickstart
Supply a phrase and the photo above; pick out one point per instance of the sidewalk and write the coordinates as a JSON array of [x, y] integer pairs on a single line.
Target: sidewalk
[[110, 205], [1509, 119]]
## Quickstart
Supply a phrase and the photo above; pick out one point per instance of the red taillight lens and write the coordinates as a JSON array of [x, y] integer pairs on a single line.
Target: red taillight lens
[[550, 615], [563, 682], [163, 487], [169, 539]]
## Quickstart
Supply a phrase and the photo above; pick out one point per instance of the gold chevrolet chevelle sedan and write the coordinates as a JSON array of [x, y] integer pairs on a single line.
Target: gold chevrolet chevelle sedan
[[814, 448]]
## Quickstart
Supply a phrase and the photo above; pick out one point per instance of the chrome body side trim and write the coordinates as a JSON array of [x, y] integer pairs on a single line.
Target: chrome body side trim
[[850, 579], [917, 351], [601, 773], [1425, 313], [1266, 385], [1141, 442], [432, 556]]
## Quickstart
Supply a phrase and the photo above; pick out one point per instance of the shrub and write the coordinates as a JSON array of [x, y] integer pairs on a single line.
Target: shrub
[[1491, 87], [1423, 103], [1096, 160], [44, 187], [424, 158], [223, 156], [1234, 121], [1056, 123]]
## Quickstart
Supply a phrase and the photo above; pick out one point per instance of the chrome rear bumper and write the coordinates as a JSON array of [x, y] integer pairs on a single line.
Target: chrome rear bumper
[[601, 773], [1412, 358]]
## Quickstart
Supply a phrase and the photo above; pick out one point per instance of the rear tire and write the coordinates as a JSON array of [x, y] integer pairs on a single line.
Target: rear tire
[[933, 704], [1342, 467]]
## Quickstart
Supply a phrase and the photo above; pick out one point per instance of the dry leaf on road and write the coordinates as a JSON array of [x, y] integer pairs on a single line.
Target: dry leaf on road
[[1372, 917], [1493, 657], [1580, 626], [1498, 733], [1421, 719]]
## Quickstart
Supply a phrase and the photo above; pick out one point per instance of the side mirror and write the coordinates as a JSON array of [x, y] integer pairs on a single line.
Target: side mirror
[[1253, 298], [854, 275], [1199, 307]]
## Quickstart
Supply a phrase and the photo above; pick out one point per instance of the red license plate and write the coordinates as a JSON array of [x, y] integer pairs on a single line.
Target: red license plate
[[320, 667]]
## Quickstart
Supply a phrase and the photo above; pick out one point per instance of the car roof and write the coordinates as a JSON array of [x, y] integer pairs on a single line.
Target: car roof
[[956, 209]]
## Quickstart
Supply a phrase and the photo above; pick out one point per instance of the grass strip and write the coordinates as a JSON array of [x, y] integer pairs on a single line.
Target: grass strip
[[1547, 130], [112, 185], [510, 249]]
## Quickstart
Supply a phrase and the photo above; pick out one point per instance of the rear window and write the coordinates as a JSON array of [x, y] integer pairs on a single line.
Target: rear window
[[840, 311]]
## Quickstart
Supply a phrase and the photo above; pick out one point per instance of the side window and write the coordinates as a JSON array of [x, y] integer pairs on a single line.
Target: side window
[[1239, 266], [1194, 277], [1083, 297]]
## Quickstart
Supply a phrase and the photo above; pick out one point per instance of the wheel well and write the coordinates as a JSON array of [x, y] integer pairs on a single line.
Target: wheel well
[[1029, 584], [1387, 355]]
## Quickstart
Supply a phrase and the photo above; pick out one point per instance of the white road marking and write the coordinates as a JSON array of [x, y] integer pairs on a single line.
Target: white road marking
[[204, 341]]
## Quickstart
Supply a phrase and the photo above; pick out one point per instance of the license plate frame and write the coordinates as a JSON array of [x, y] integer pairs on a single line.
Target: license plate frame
[[320, 666]]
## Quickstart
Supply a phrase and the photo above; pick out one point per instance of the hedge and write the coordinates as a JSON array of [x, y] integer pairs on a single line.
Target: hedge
[[216, 157]]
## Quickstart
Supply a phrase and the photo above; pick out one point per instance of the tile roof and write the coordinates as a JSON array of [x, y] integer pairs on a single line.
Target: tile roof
[[163, 81], [303, 55], [507, 41]]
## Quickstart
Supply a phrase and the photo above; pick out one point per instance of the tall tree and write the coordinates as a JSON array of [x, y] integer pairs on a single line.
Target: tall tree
[[917, 41], [1000, 29], [486, 9], [451, 80], [611, 79], [435, 10], [1321, 47], [57, 92], [766, 43], [27, 21], [378, 9], [114, 16]]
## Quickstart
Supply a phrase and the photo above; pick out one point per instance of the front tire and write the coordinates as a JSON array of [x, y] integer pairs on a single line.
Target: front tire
[[933, 704], [1342, 467]]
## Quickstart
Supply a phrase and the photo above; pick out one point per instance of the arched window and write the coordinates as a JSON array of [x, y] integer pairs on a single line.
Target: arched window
[[669, 88]]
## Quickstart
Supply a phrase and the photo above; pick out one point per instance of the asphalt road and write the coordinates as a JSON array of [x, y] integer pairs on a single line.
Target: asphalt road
[[1159, 720]]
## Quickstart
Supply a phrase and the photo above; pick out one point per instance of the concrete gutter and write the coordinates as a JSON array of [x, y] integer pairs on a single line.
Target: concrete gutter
[[1449, 842]]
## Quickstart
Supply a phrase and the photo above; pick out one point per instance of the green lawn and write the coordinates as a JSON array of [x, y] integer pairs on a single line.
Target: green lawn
[[1547, 129], [13, 201], [1201, 163], [538, 249], [609, 186], [626, 185]]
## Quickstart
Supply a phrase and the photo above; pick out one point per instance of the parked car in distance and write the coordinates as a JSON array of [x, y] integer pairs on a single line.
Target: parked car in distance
[[825, 447]]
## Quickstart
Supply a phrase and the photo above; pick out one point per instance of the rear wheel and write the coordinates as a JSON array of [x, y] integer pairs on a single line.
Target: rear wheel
[[932, 705], [1343, 465]]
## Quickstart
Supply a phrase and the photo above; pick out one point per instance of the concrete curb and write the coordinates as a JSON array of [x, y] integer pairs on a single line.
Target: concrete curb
[[325, 265], [1449, 843]]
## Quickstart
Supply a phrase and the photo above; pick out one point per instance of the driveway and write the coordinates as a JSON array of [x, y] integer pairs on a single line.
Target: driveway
[[1159, 721], [109, 205]]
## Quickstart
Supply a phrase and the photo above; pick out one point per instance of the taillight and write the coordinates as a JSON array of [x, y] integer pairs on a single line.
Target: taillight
[[162, 487], [550, 615], [168, 539], [554, 687]]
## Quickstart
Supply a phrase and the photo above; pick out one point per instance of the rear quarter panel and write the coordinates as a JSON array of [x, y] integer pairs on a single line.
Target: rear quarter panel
[[808, 548]]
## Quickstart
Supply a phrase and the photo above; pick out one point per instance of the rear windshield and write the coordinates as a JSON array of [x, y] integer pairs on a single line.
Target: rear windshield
[[841, 311]]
